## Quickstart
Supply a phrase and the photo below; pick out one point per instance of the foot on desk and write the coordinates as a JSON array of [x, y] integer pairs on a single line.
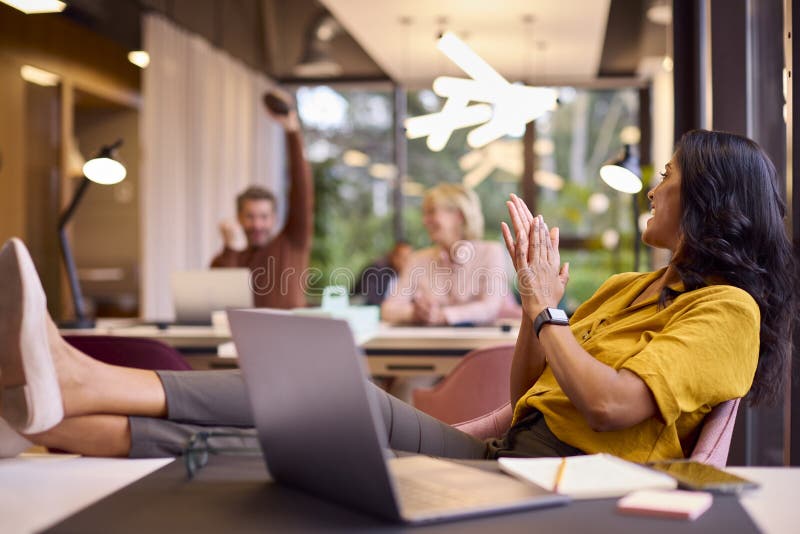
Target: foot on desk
[[30, 397]]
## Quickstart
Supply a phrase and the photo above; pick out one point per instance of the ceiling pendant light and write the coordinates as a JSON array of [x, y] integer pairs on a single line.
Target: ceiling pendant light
[[505, 108], [467, 60]]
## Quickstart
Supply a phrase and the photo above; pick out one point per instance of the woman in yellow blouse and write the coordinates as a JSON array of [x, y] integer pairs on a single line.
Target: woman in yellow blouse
[[649, 355], [633, 373]]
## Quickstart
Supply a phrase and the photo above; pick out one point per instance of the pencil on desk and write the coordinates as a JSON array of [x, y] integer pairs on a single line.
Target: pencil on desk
[[559, 474]]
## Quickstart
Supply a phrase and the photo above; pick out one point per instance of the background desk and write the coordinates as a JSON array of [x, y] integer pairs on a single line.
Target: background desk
[[234, 494], [391, 351]]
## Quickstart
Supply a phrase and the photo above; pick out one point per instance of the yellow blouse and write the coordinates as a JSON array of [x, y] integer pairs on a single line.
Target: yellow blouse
[[699, 351]]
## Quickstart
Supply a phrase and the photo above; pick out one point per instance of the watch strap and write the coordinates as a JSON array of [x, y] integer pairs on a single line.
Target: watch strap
[[550, 316]]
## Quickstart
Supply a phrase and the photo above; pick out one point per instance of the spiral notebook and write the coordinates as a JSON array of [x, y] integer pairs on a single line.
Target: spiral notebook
[[594, 476]]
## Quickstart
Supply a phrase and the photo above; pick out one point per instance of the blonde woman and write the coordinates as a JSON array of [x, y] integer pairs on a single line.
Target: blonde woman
[[460, 279]]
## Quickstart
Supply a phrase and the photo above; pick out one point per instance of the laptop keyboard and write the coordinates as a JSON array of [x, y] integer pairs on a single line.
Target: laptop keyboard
[[431, 488], [421, 495]]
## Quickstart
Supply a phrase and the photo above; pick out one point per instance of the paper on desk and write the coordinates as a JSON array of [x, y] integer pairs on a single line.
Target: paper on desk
[[594, 476]]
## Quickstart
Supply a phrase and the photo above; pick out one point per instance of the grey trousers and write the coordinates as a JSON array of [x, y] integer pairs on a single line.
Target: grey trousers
[[216, 401]]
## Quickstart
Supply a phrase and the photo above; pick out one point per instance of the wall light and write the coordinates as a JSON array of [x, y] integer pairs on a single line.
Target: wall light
[[103, 169], [660, 12], [31, 7], [140, 58], [623, 174], [38, 76]]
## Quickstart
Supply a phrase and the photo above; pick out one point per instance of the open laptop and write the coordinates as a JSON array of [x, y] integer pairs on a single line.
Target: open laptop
[[196, 294], [320, 428]]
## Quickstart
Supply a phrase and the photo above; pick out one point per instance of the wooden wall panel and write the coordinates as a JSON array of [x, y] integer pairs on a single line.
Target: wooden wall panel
[[12, 150]]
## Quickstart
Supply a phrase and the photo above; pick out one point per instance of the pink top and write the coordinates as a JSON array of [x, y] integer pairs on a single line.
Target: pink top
[[471, 287]]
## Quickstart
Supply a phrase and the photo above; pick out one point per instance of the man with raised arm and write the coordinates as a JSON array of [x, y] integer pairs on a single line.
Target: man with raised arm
[[278, 263]]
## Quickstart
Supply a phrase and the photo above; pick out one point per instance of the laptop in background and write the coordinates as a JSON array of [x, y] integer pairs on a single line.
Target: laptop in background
[[196, 294], [320, 429]]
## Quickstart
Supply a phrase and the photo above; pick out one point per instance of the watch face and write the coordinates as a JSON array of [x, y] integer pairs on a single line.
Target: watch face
[[558, 315]]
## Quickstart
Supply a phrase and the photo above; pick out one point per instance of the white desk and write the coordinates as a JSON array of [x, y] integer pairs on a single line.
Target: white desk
[[39, 491], [773, 507], [414, 351], [391, 351]]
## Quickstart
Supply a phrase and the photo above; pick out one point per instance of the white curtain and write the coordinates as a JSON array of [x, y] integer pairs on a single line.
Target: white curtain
[[205, 137]]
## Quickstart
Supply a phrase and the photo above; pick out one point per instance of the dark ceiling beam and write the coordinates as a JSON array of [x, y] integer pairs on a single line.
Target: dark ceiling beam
[[268, 33], [118, 21], [290, 25], [360, 81], [622, 45], [690, 74]]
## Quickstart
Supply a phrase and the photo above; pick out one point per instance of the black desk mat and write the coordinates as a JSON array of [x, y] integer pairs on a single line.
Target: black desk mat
[[232, 494]]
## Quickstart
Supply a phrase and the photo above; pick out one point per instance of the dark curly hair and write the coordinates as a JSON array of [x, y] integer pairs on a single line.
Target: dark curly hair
[[733, 230]]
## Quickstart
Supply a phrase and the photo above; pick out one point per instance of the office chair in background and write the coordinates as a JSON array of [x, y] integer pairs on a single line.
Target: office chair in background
[[130, 352]]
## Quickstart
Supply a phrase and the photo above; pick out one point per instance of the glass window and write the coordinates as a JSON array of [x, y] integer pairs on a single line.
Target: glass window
[[572, 142], [348, 133], [348, 136]]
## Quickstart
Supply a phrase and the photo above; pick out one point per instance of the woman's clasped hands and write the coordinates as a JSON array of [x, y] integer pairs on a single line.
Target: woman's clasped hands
[[534, 250]]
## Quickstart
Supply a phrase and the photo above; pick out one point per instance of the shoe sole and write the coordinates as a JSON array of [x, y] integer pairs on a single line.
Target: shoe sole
[[29, 394]]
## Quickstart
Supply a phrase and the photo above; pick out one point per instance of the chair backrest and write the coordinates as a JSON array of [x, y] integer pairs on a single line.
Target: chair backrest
[[711, 448], [130, 352], [714, 441], [477, 385]]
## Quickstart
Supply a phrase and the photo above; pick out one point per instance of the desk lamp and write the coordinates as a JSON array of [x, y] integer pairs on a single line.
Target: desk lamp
[[623, 174], [104, 170]]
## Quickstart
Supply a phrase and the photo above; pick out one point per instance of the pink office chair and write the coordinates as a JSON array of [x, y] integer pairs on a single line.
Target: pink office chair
[[712, 447], [478, 384], [130, 352], [714, 441], [490, 425]]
